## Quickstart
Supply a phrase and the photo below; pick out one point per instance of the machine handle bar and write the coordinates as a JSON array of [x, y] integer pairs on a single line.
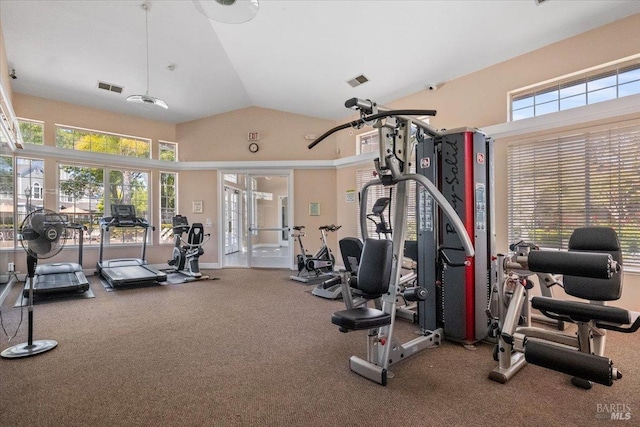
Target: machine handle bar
[[362, 121]]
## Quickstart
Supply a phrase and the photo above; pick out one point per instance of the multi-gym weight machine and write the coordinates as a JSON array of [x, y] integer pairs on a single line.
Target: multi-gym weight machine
[[381, 262], [460, 163]]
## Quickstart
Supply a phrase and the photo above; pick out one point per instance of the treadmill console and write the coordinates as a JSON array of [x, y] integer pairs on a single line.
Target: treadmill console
[[123, 213], [123, 216]]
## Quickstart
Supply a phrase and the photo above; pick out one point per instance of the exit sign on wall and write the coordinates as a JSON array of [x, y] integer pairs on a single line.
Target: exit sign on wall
[[253, 136]]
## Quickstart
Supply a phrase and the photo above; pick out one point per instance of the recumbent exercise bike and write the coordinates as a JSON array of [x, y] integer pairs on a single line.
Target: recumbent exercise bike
[[186, 253]]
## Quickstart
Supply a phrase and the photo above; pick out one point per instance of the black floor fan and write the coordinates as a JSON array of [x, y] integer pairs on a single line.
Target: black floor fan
[[41, 235]]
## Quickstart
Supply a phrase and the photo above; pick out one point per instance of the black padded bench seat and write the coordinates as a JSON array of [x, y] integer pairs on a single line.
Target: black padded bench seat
[[581, 312], [361, 318]]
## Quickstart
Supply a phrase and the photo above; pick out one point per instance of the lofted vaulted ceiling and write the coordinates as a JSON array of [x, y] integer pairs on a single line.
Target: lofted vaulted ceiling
[[294, 56]]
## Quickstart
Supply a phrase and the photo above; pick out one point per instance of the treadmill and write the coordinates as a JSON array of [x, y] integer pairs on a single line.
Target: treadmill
[[127, 271], [60, 277]]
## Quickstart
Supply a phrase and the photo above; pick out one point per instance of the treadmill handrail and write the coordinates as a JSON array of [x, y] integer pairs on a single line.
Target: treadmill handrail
[[114, 221]]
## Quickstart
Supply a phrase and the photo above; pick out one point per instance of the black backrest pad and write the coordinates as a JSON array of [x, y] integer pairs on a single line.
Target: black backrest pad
[[351, 249], [595, 239], [374, 271], [196, 234]]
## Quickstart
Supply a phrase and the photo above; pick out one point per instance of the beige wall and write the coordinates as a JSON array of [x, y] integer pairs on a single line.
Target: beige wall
[[224, 137], [199, 185], [316, 186], [5, 80]]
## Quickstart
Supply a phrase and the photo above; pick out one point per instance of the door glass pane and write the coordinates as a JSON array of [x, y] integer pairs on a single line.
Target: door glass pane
[[267, 247]]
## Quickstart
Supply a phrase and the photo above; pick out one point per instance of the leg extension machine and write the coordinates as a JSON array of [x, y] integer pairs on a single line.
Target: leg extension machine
[[592, 271]]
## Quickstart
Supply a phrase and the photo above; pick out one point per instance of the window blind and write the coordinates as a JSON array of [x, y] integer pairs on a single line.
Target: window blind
[[586, 179]]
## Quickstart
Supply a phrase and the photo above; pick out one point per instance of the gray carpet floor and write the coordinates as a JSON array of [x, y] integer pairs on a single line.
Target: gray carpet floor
[[255, 348]]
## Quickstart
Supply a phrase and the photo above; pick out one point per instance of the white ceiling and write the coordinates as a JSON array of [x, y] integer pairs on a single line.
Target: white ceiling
[[295, 56]]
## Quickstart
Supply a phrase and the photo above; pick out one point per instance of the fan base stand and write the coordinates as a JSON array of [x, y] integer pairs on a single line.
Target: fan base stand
[[26, 350]]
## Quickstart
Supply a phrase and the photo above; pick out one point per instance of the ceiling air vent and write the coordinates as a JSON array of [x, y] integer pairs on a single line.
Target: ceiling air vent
[[357, 81], [110, 87]]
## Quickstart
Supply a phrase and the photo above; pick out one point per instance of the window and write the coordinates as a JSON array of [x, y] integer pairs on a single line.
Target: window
[[100, 142], [27, 189], [168, 151], [585, 179], [92, 189], [36, 191], [6, 202], [168, 203], [29, 185], [129, 188], [586, 88], [32, 131], [367, 142], [82, 197]]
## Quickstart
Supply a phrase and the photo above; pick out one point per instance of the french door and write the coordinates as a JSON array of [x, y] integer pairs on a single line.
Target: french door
[[256, 213]]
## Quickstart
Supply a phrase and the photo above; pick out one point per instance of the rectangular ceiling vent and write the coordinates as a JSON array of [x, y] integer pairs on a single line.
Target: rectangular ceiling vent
[[357, 81], [110, 87]]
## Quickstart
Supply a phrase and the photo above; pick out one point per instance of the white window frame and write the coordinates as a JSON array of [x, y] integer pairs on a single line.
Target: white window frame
[[550, 91]]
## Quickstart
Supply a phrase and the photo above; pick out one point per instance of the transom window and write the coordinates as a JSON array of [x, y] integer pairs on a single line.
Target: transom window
[[604, 84], [102, 142], [367, 142], [168, 151], [32, 131]]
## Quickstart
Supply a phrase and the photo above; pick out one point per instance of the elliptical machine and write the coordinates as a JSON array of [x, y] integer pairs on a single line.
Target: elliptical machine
[[186, 253], [318, 266]]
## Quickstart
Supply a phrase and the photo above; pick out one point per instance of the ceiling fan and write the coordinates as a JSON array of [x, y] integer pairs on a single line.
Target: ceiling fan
[[41, 236], [228, 11], [146, 98]]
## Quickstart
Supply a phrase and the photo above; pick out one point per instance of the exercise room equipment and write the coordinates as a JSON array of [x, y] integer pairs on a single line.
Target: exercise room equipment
[[592, 272], [318, 266], [61, 277], [379, 273], [126, 271], [186, 253]]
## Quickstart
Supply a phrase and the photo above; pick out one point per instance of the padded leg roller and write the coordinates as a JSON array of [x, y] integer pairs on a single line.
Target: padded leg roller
[[583, 264], [572, 362]]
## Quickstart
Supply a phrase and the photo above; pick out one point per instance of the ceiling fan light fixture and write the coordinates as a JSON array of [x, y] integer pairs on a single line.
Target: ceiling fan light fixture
[[228, 11], [146, 99]]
